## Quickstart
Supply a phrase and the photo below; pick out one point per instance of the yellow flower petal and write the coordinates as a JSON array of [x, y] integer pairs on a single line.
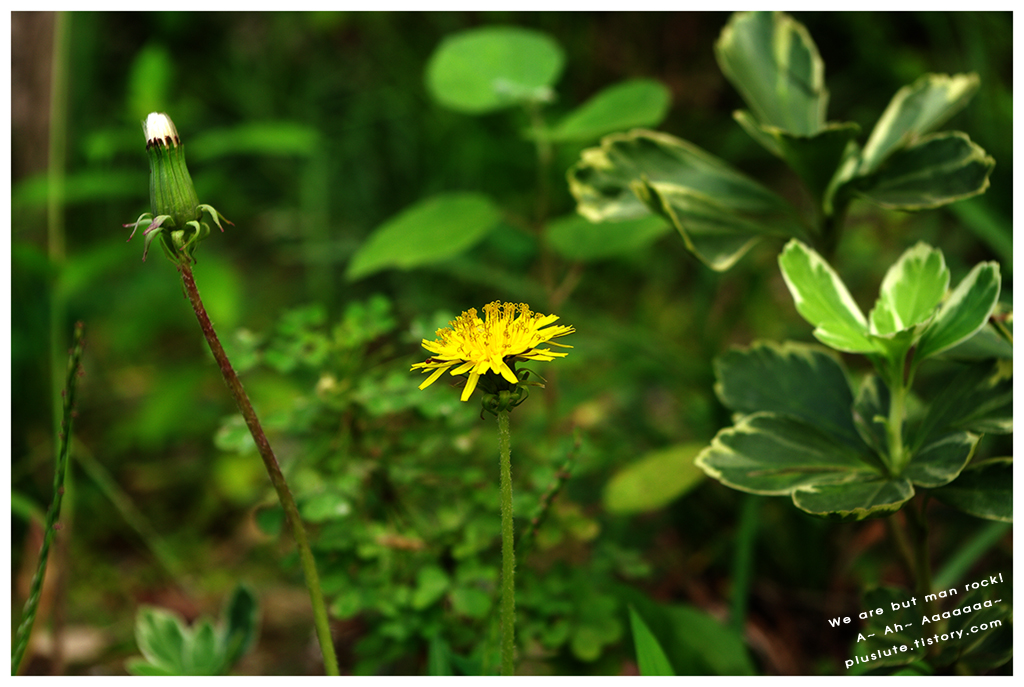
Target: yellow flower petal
[[433, 378], [470, 385]]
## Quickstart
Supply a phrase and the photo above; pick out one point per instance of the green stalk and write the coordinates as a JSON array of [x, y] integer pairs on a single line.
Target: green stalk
[[743, 563], [508, 557], [972, 550], [897, 411], [899, 538], [122, 503], [323, 629], [53, 514]]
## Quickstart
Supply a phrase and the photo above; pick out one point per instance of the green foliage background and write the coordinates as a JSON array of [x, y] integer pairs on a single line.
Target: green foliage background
[[310, 130]]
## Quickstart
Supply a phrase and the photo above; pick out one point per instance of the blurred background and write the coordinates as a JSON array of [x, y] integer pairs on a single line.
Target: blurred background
[[308, 131]]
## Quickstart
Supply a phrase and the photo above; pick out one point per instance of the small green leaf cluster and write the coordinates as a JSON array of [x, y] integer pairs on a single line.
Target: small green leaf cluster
[[800, 429], [170, 646], [398, 490], [774, 64]]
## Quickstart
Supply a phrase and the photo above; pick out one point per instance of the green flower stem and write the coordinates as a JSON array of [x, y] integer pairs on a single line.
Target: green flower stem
[[323, 629], [508, 557], [53, 514]]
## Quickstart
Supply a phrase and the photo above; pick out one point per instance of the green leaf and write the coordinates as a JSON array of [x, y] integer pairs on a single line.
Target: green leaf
[[978, 399], [694, 642], [654, 481], [790, 379], [650, 657], [986, 344], [22, 506], [815, 157], [940, 461], [771, 454], [718, 211], [431, 584], [870, 414], [241, 616], [964, 313], [204, 657], [430, 231], [161, 637], [772, 61], [577, 238], [493, 67], [914, 111], [869, 496], [715, 649], [634, 103], [939, 169], [233, 436], [823, 300], [142, 668], [912, 288], [270, 519], [470, 602], [984, 489], [324, 506], [712, 231]]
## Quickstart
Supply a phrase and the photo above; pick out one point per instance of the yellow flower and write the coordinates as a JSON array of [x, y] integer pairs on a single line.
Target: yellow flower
[[508, 332]]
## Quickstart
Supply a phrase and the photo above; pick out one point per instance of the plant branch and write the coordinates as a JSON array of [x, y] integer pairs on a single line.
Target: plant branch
[[74, 371], [273, 469], [527, 539]]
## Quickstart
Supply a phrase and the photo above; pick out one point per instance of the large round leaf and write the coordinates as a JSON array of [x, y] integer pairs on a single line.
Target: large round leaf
[[654, 481], [430, 231], [486, 69]]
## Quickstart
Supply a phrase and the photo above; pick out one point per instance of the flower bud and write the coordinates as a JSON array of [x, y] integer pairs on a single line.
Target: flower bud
[[177, 213], [170, 187]]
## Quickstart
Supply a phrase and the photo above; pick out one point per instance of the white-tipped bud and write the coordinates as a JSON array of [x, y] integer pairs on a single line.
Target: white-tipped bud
[[159, 130]]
